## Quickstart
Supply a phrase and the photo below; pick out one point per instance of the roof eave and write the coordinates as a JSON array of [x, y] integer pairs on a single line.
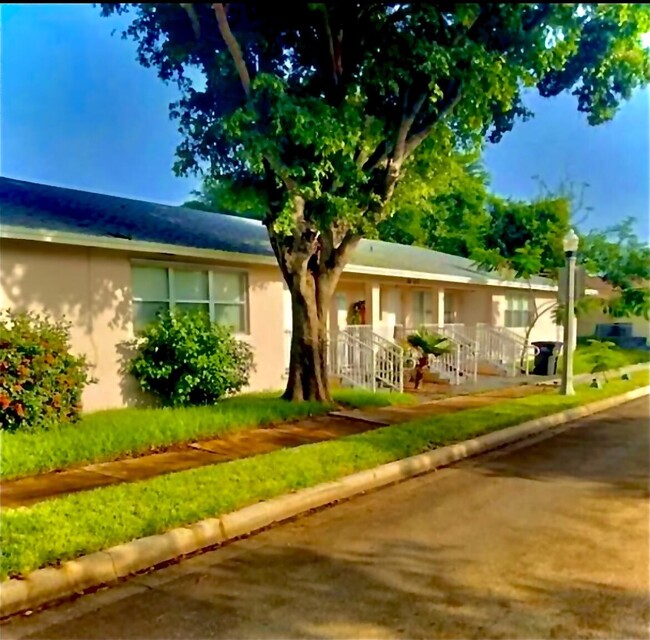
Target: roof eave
[[123, 244], [11, 232]]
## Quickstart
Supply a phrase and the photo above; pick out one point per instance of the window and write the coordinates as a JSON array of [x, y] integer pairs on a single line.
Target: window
[[518, 311], [220, 294], [450, 308], [421, 308]]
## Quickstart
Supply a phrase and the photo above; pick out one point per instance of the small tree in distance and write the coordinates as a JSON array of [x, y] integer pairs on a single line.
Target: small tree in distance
[[527, 242], [322, 116]]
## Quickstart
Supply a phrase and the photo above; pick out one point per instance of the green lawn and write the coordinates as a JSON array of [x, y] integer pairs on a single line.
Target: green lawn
[[81, 523], [109, 435], [583, 361], [360, 398]]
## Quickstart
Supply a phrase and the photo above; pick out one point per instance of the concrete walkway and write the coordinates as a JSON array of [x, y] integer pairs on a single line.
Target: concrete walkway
[[548, 540], [236, 445]]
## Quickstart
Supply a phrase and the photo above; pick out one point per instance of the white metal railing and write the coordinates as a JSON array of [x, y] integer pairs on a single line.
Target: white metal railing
[[461, 363], [366, 359], [503, 348], [525, 348], [350, 359]]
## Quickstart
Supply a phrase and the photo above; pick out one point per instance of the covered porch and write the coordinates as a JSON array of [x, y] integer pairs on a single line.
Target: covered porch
[[374, 316], [390, 308], [370, 317]]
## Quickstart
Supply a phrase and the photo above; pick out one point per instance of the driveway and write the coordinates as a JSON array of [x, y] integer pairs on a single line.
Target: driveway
[[547, 540]]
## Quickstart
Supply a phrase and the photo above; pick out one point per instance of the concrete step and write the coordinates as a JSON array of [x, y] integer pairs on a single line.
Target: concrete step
[[487, 368]]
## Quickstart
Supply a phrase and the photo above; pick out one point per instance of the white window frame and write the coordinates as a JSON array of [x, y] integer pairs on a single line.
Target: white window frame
[[524, 313], [420, 295], [212, 271], [449, 310]]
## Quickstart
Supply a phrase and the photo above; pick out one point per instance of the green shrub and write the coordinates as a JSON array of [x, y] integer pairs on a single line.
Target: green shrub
[[586, 358], [40, 380], [601, 354], [185, 359]]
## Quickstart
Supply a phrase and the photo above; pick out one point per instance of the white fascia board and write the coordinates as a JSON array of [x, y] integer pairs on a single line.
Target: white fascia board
[[441, 277], [122, 244]]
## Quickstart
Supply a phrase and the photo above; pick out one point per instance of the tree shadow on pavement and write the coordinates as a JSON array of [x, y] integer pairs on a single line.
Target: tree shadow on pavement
[[401, 589], [612, 450]]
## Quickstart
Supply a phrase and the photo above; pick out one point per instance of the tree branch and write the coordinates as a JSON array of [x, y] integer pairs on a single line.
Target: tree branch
[[379, 155], [194, 19], [396, 149], [445, 105], [408, 118], [346, 246], [233, 46], [334, 48], [449, 101]]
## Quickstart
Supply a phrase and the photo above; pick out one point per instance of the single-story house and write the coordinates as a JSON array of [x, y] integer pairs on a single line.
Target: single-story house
[[631, 331], [108, 264]]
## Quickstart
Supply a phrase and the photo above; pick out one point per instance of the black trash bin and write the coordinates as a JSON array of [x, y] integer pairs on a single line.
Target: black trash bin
[[547, 357]]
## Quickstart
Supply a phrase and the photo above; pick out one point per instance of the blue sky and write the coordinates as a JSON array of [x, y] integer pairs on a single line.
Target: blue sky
[[78, 111]]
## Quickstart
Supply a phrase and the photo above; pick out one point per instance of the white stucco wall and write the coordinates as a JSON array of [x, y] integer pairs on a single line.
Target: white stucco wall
[[544, 329], [91, 288]]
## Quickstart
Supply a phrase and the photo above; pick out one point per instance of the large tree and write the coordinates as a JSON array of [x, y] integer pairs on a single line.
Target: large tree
[[524, 238], [450, 215], [318, 115], [622, 260]]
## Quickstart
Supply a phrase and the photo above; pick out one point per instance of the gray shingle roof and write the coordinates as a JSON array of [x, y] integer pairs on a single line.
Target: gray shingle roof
[[40, 206], [56, 209]]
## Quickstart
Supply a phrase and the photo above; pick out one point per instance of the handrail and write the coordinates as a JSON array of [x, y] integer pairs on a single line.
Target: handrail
[[366, 359], [503, 346], [517, 338], [350, 366]]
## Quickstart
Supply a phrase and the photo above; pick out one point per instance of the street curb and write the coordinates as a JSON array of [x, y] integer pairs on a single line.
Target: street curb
[[50, 584]]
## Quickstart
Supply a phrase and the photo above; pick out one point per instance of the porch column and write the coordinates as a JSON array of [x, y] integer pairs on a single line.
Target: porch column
[[287, 327], [340, 311], [390, 311], [336, 321], [331, 320], [438, 306], [406, 317], [373, 305]]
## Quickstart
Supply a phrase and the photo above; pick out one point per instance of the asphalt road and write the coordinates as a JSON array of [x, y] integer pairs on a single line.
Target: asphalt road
[[547, 540]]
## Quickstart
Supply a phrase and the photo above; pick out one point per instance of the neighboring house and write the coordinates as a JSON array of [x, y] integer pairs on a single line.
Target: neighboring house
[[602, 325], [109, 264]]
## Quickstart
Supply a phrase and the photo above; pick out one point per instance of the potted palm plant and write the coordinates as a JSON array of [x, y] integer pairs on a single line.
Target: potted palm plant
[[426, 344]]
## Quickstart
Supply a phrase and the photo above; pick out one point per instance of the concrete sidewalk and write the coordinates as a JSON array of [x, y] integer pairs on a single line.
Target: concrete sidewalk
[[236, 445]]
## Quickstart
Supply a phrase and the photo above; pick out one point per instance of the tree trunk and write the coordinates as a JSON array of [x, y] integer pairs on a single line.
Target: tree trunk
[[308, 370], [524, 350], [311, 262], [529, 331]]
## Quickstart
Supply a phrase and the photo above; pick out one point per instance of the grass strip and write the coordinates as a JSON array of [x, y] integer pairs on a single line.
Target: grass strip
[[584, 359], [67, 527], [119, 433]]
